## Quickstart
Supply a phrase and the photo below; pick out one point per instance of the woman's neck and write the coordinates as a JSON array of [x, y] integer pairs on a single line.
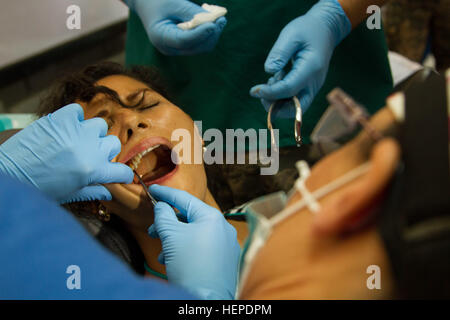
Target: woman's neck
[[209, 200]]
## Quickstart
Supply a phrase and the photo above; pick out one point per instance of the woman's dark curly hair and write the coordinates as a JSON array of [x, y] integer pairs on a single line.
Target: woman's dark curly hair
[[81, 85]]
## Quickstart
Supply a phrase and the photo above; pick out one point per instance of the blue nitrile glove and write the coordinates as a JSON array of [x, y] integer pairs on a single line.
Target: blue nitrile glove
[[160, 19], [308, 41], [65, 156], [201, 255]]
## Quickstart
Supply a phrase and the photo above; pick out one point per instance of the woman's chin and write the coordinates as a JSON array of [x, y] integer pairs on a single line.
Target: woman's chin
[[130, 203], [131, 198]]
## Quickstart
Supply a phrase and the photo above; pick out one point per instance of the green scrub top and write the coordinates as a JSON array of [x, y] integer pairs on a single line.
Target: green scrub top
[[214, 87]]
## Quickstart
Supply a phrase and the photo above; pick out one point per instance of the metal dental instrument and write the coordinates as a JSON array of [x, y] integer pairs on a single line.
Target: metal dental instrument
[[297, 123], [270, 127], [152, 199]]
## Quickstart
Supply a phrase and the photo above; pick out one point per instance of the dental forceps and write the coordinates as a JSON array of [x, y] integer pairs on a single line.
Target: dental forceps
[[297, 123], [151, 198]]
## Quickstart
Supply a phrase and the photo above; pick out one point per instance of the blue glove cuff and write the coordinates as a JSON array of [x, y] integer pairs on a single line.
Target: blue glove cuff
[[337, 20]]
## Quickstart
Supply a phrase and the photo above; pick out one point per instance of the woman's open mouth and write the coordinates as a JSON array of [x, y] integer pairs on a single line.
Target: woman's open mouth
[[152, 161]]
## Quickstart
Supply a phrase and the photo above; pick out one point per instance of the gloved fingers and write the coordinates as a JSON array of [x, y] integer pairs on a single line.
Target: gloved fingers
[[267, 103], [282, 51], [189, 206], [89, 193], [276, 77], [73, 110], [221, 23], [152, 232], [97, 125], [210, 43], [110, 145], [254, 91], [164, 217], [112, 172], [287, 110], [176, 38], [296, 80]]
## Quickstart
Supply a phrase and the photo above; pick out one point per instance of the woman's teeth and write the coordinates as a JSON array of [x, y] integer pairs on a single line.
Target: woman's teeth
[[137, 158]]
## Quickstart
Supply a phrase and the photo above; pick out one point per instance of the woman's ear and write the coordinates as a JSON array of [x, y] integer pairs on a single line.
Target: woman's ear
[[198, 137], [197, 134], [340, 208]]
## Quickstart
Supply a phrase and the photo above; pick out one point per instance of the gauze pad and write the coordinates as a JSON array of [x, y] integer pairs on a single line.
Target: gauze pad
[[212, 14]]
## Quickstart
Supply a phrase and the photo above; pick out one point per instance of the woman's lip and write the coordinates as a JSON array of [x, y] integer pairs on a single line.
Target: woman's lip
[[137, 189], [142, 146]]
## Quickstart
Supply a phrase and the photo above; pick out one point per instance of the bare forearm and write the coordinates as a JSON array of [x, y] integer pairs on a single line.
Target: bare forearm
[[356, 10]]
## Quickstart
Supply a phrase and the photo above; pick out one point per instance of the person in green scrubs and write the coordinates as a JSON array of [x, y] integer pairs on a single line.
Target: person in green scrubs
[[221, 71]]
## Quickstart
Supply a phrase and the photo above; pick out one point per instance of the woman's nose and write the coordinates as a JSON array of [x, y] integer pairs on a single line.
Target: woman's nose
[[129, 122]]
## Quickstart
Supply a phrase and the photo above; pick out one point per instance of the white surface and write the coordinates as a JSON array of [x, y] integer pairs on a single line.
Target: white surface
[[212, 14], [19, 120], [396, 103], [30, 27], [401, 67]]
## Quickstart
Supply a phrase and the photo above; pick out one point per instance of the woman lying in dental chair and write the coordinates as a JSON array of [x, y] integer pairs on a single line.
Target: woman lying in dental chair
[[379, 218], [137, 110]]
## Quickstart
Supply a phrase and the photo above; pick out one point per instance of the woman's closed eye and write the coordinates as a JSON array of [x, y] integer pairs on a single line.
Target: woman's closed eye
[[104, 114], [145, 107]]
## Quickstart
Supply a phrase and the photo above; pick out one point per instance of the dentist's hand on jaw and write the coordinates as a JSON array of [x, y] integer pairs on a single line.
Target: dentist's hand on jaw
[[65, 156], [201, 255], [308, 41], [160, 19]]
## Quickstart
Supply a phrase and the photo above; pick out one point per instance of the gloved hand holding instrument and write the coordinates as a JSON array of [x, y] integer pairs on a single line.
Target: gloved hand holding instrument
[[308, 42], [65, 156], [201, 255]]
